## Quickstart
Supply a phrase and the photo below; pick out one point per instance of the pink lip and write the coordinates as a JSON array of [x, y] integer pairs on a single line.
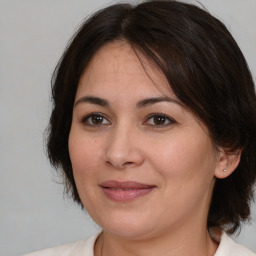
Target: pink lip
[[125, 190]]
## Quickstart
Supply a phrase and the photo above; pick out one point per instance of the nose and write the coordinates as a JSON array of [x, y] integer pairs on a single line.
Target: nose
[[123, 149]]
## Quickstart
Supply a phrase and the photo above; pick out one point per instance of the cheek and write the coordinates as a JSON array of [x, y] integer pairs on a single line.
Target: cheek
[[184, 158], [84, 154], [186, 167]]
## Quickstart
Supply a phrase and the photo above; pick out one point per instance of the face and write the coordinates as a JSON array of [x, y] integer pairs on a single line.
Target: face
[[143, 163]]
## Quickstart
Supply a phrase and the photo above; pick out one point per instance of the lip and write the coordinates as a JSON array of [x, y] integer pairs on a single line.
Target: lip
[[125, 190]]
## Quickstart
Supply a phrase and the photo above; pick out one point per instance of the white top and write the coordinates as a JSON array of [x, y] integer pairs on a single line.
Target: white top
[[227, 247]]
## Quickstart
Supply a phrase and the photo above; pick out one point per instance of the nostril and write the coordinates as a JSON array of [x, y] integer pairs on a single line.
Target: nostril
[[108, 162], [120, 165], [126, 158], [128, 163]]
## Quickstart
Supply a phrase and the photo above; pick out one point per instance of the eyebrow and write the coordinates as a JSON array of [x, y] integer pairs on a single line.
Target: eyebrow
[[151, 101], [93, 100], [140, 104]]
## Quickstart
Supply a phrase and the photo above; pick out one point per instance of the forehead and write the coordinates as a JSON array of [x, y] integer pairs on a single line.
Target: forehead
[[118, 65]]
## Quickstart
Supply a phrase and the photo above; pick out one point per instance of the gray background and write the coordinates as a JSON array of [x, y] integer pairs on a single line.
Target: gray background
[[33, 213]]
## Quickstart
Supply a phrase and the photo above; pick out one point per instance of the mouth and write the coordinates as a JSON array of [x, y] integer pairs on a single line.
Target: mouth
[[126, 190]]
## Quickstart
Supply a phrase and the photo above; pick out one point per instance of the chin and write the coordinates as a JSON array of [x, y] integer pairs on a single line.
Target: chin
[[128, 231], [128, 226]]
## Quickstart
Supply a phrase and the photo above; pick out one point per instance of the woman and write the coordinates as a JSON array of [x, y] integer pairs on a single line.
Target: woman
[[153, 126]]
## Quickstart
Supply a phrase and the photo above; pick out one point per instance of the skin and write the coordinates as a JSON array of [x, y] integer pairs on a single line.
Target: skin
[[125, 143]]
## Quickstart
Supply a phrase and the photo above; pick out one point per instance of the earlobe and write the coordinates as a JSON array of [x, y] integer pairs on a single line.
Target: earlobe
[[227, 163]]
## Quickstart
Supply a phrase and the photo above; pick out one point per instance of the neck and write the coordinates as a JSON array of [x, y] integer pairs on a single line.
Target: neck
[[195, 242]]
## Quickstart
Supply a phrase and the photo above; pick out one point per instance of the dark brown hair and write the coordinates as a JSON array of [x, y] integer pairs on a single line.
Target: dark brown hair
[[205, 69]]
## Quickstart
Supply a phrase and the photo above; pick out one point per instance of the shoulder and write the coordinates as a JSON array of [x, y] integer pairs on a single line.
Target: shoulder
[[83, 247], [229, 247]]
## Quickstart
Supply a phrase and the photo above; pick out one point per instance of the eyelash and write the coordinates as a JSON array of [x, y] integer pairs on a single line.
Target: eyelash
[[169, 120], [91, 115], [160, 115]]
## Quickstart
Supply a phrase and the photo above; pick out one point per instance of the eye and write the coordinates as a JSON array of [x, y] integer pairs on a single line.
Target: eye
[[159, 120], [95, 119]]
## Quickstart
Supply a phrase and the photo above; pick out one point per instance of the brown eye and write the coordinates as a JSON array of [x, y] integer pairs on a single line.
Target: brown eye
[[159, 120], [95, 120]]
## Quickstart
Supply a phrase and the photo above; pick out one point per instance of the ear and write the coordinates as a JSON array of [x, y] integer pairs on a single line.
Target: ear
[[226, 163]]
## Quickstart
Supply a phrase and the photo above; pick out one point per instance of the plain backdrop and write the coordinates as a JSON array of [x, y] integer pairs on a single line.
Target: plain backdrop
[[34, 214]]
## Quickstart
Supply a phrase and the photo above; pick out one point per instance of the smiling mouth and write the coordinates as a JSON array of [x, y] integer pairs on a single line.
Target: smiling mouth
[[125, 191]]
